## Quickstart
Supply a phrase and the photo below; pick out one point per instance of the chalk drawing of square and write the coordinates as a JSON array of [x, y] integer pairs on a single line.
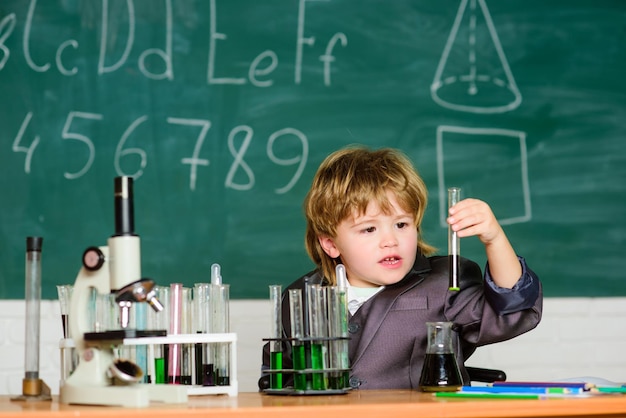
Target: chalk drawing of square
[[488, 164]]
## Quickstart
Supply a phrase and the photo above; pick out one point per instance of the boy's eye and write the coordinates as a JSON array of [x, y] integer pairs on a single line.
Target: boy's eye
[[369, 229], [402, 225]]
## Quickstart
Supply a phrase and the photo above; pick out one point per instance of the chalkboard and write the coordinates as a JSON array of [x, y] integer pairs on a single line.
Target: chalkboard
[[222, 110]]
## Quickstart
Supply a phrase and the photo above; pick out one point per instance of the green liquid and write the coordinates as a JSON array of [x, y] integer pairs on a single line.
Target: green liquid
[[339, 380], [335, 382], [317, 363], [299, 363], [276, 363], [159, 370]]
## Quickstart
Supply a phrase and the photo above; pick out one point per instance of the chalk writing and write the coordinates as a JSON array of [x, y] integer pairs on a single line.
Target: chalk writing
[[27, 150], [259, 70], [70, 132], [118, 41], [66, 134]]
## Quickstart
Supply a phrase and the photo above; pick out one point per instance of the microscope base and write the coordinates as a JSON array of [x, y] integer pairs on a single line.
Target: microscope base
[[91, 384], [136, 395]]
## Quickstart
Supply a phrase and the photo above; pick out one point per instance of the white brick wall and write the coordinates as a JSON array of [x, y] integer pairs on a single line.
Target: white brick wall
[[577, 337]]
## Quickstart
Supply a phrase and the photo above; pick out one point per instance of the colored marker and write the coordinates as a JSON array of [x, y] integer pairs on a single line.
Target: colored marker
[[489, 395], [607, 389], [582, 385], [522, 389]]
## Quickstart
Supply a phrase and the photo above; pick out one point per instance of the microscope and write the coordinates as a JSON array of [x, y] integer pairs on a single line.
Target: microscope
[[100, 378]]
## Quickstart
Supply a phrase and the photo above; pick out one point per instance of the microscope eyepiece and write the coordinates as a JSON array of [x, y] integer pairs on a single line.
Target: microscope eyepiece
[[124, 206]]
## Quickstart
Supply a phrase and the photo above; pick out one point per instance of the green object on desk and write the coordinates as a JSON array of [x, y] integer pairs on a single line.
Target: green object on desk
[[619, 389], [523, 390]]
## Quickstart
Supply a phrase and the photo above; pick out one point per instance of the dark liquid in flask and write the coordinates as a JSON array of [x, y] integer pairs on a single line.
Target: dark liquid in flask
[[440, 374]]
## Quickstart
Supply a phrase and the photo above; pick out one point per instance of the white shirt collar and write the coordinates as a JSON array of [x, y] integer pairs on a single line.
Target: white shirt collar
[[357, 296]]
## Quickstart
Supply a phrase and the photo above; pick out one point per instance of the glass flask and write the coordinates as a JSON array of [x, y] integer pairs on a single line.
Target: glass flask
[[440, 372]]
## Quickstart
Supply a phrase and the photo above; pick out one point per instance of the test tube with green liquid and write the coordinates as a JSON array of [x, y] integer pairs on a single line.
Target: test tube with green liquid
[[161, 322], [298, 348], [317, 329], [343, 316], [454, 243], [333, 333], [276, 353], [338, 377]]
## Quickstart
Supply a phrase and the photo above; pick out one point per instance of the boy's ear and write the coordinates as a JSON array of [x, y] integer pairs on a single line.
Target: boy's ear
[[329, 247]]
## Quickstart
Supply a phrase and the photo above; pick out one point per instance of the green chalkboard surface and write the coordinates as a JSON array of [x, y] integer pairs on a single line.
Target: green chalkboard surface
[[221, 110]]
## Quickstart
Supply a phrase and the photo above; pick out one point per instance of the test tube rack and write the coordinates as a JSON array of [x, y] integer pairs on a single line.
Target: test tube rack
[[307, 374], [210, 338]]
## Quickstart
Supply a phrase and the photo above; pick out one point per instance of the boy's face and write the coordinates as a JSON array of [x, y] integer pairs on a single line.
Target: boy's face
[[376, 248]]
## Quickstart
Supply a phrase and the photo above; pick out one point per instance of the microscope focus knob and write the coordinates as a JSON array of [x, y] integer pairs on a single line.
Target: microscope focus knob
[[93, 258]]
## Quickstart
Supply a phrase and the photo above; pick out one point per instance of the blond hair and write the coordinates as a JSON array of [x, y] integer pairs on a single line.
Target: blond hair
[[346, 182]]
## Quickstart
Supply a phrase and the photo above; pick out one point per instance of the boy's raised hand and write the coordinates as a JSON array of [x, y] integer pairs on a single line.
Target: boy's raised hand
[[472, 217]]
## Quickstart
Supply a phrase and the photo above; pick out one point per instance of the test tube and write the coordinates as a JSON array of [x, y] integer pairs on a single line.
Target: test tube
[[68, 358], [341, 277], [298, 348], [317, 327], [344, 315], [204, 366], [65, 294], [32, 385], [140, 315], [454, 196], [215, 320], [186, 365], [276, 353], [175, 350], [334, 332], [216, 275], [219, 301], [160, 321]]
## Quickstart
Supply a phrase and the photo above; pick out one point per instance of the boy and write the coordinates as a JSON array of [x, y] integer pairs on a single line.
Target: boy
[[364, 210]]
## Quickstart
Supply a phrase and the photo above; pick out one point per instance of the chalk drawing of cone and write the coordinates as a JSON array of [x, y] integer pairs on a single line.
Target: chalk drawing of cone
[[473, 74]]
